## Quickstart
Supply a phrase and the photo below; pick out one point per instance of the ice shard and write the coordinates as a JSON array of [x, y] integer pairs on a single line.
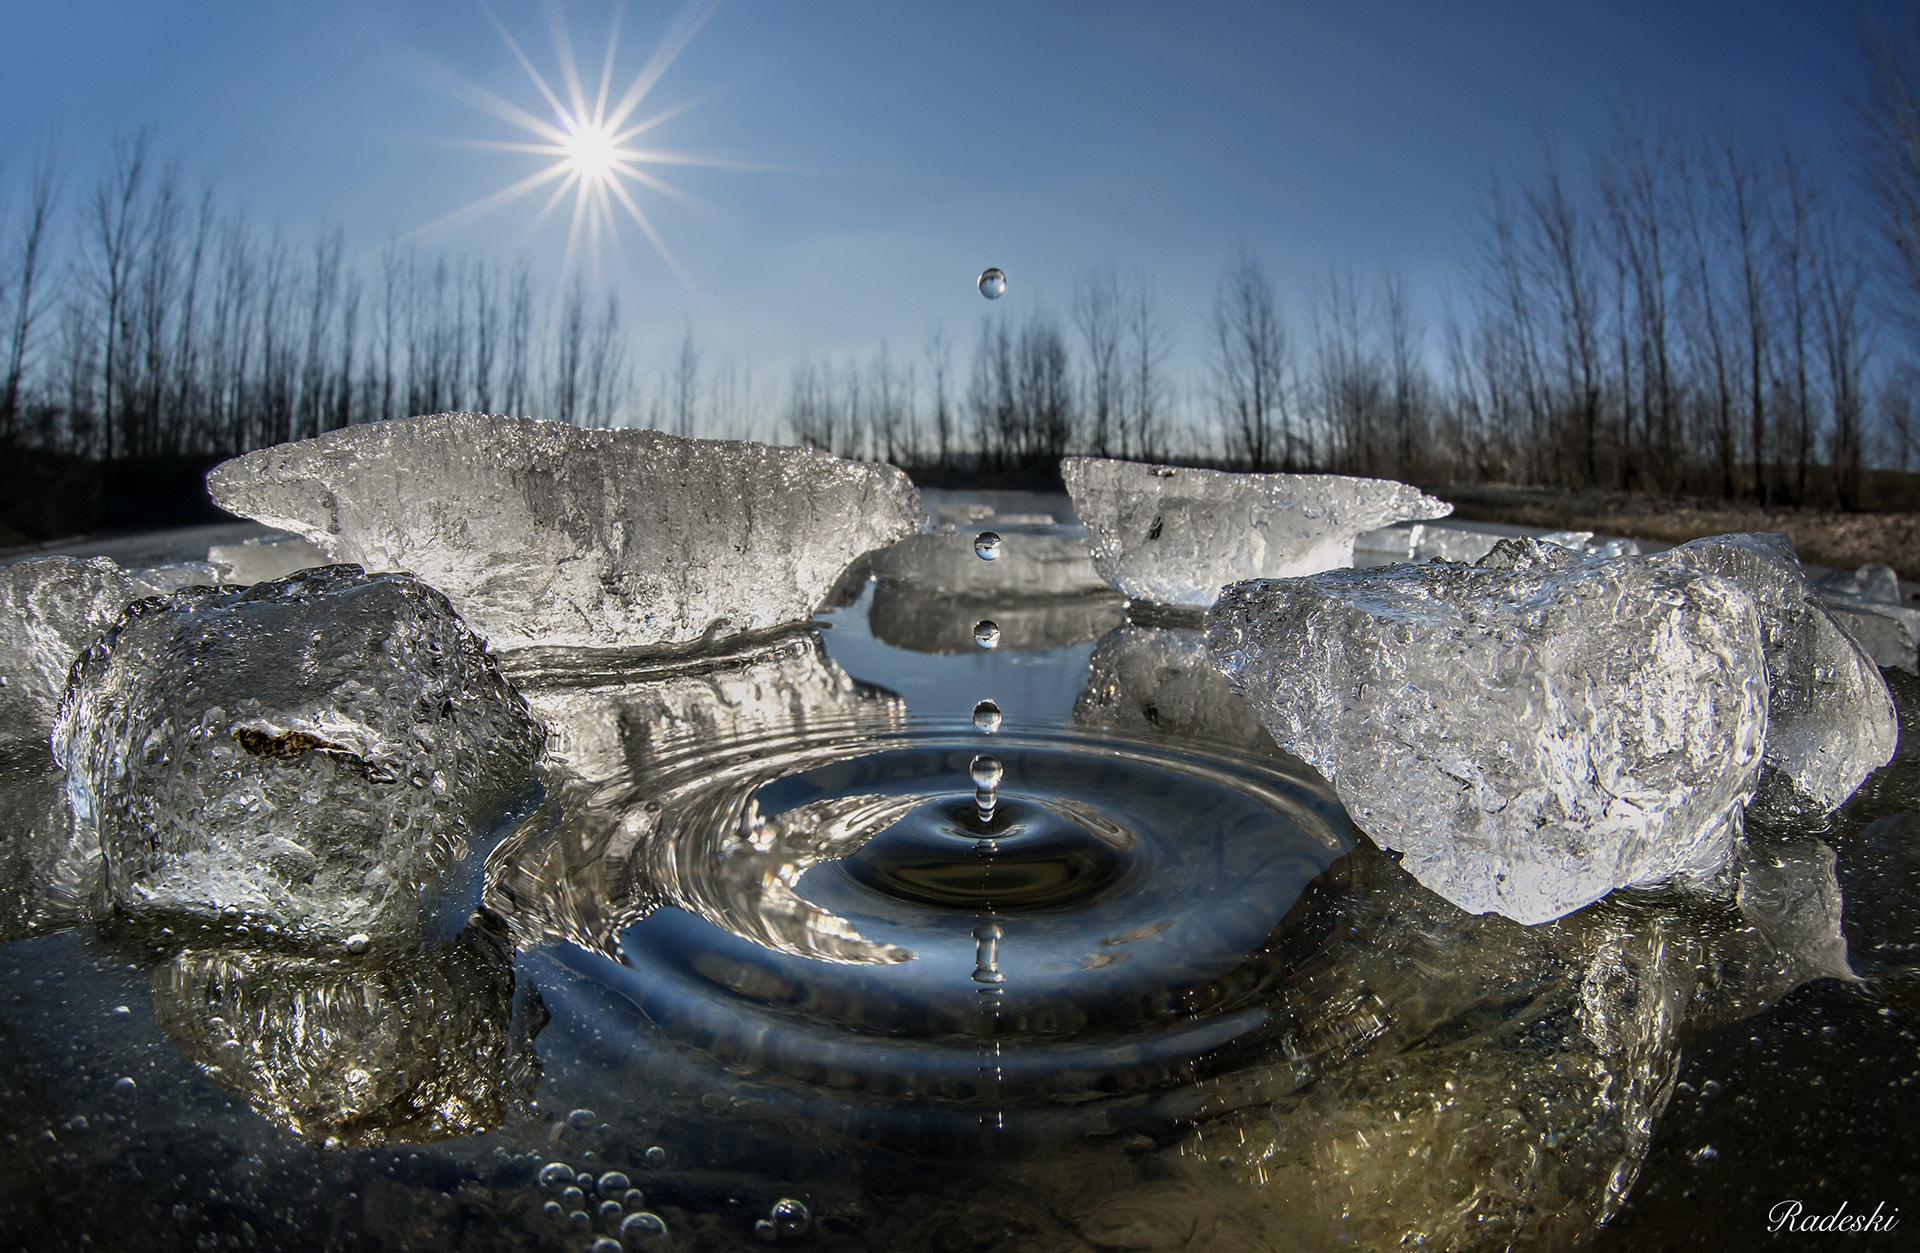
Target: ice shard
[[1176, 536], [1532, 732], [1830, 718], [300, 757], [1449, 541], [1867, 602], [542, 533], [51, 608]]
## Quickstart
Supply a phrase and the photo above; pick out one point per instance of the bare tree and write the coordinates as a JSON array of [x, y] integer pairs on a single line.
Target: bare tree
[[1250, 366], [20, 280], [1148, 344], [939, 355], [1098, 313], [686, 384]]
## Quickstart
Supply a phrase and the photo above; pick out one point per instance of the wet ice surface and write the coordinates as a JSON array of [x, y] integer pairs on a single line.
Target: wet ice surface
[[1375, 1068], [1176, 536], [301, 757], [50, 609], [543, 534]]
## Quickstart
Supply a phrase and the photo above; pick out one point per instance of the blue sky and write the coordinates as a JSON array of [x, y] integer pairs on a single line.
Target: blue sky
[[919, 142]]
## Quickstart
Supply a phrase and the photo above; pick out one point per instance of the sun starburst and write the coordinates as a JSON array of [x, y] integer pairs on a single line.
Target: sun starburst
[[594, 142]]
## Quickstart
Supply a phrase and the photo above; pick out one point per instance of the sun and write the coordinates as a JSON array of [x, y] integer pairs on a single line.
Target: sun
[[596, 156]]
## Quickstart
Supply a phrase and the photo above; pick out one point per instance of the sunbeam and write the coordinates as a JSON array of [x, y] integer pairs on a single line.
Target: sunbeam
[[589, 142]]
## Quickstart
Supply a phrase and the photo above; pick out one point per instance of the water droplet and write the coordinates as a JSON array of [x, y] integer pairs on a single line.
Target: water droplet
[[646, 1225], [574, 1197], [611, 1210], [789, 1216], [986, 633], [986, 717], [554, 1174], [613, 1181], [359, 942], [987, 772], [580, 1119], [124, 1086], [986, 546], [993, 282], [656, 1156], [986, 959], [605, 1244]]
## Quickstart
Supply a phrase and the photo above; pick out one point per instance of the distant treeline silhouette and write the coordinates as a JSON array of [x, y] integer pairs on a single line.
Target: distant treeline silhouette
[[1688, 309]]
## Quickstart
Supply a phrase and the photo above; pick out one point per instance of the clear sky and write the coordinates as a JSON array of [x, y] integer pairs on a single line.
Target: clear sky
[[915, 143]]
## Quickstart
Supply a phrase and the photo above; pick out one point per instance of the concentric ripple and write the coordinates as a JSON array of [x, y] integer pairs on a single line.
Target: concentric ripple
[[841, 916]]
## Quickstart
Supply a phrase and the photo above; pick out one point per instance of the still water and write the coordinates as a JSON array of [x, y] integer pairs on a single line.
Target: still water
[[878, 935]]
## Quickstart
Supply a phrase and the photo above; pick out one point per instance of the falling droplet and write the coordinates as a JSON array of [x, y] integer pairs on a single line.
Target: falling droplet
[[986, 717], [987, 773], [993, 282], [986, 633], [986, 546], [986, 953]]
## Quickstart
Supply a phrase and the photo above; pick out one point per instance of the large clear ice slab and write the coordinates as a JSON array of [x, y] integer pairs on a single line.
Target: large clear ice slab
[[545, 534], [1531, 733], [1176, 536], [51, 608], [300, 757], [1830, 718]]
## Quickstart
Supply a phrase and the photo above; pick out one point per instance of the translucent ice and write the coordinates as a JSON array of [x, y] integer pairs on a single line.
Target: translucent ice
[[49, 871], [300, 756], [545, 534], [263, 559], [51, 608], [411, 1046], [1867, 603], [1532, 733], [1830, 719], [1176, 536], [1448, 541]]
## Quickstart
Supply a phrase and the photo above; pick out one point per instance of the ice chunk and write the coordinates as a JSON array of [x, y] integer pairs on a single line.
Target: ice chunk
[[51, 608], [1150, 681], [263, 559], [1176, 536], [301, 756], [1868, 604], [545, 534], [1830, 719], [1874, 581], [411, 1047], [1531, 737]]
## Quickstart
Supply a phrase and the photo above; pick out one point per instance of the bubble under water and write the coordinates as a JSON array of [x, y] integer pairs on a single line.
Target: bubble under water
[[993, 282]]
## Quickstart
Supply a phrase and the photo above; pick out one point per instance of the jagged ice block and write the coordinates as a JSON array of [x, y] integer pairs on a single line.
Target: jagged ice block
[[543, 533], [1530, 734], [50, 609], [300, 757]]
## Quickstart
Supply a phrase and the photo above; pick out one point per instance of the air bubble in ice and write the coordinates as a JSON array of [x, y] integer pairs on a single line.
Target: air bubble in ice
[[986, 633], [634, 1198], [124, 1086], [613, 1181], [580, 1220], [986, 546], [554, 1210], [611, 1210], [656, 1156], [359, 942], [993, 282], [553, 1174], [646, 1225], [605, 1244], [790, 1217], [986, 717], [573, 1196], [580, 1119]]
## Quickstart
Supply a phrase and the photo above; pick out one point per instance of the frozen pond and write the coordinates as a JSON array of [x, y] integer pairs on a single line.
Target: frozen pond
[[865, 936]]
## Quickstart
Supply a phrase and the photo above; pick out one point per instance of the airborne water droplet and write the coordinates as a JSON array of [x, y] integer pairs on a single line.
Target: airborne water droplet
[[986, 633], [986, 717], [993, 282], [986, 546], [987, 772]]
